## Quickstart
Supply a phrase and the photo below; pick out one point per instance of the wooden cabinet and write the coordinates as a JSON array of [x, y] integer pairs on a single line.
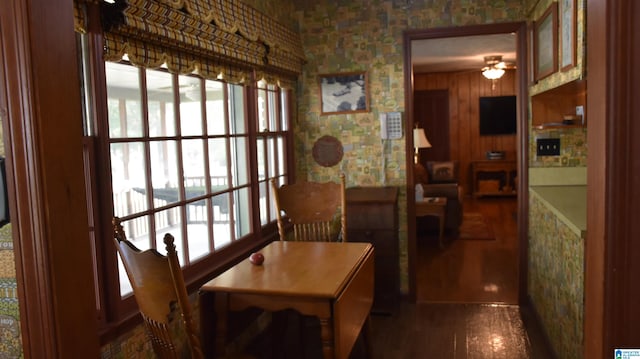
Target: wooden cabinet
[[372, 216], [494, 178]]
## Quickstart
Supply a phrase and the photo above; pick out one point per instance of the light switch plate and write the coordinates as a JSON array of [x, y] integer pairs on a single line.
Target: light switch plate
[[548, 147]]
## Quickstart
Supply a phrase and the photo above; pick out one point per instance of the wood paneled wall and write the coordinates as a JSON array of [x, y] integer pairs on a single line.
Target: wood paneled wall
[[465, 88]]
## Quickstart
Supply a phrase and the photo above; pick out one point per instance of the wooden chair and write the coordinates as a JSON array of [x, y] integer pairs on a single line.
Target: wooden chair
[[311, 208], [158, 286]]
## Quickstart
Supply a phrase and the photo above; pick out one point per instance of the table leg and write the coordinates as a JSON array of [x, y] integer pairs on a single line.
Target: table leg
[[327, 338]]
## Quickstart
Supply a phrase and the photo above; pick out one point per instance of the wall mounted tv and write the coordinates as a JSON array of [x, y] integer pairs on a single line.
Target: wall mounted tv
[[498, 115]]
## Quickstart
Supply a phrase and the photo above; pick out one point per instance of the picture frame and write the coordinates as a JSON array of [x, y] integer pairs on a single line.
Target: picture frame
[[545, 47], [568, 34], [342, 93]]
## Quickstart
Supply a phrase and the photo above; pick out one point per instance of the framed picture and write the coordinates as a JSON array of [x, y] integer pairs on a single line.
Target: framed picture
[[545, 48], [567, 34], [344, 93]]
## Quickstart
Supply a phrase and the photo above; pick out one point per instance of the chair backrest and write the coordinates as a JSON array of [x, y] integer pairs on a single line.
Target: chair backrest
[[158, 286], [311, 208]]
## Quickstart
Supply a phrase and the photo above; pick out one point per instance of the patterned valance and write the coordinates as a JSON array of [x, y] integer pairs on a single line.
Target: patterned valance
[[201, 35]]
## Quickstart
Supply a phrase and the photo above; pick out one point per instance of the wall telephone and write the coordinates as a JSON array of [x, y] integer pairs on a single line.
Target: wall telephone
[[391, 125]]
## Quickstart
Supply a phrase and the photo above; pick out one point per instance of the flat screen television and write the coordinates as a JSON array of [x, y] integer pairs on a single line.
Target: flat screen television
[[498, 115]]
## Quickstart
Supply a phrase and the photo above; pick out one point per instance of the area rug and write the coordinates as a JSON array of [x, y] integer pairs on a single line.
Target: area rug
[[475, 226]]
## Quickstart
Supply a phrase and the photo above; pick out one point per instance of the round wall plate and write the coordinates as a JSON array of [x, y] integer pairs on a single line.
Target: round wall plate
[[327, 151]]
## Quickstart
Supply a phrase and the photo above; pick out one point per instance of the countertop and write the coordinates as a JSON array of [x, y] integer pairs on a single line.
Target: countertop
[[569, 203]]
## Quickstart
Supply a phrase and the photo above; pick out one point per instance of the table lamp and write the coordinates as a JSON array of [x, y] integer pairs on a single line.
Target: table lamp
[[419, 141]]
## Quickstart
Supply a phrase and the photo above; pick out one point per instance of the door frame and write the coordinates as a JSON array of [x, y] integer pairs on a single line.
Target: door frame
[[522, 153]]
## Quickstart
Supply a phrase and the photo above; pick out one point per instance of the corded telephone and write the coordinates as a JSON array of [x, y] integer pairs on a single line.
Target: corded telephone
[[391, 125]]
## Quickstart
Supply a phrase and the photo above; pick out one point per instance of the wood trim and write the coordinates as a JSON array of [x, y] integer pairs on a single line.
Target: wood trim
[[523, 139], [611, 248], [596, 196], [45, 166]]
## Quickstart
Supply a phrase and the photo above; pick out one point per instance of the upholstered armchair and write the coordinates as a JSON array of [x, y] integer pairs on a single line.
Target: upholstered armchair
[[440, 179]]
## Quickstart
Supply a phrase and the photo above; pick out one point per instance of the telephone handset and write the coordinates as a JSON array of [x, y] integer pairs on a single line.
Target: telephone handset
[[391, 125]]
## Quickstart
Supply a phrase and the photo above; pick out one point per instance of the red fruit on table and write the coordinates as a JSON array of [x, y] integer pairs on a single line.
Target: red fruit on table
[[256, 258]]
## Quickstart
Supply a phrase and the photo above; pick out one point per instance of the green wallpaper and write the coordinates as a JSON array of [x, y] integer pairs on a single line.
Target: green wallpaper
[[556, 279], [573, 148], [10, 336], [367, 36]]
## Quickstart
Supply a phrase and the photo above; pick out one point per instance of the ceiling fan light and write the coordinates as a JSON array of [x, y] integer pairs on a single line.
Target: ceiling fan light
[[493, 73]]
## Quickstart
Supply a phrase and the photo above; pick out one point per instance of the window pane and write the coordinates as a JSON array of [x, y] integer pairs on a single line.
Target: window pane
[[193, 162], [215, 108], [263, 203], [161, 104], [262, 111], [271, 153], [190, 105], [281, 156], [273, 118], [198, 236], [164, 172], [239, 161], [128, 174], [261, 159], [123, 100], [284, 110], [242, 212], [237, 121], [221, 221], [218, 164]]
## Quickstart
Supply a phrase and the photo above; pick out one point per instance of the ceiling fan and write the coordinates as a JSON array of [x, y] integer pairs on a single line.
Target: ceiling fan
[[495, 67]]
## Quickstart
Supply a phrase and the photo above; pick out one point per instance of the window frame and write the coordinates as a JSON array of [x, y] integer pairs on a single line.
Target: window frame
[[117, 315]]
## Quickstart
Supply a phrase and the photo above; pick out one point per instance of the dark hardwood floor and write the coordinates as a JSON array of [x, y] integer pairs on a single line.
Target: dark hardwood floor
[[472, 270], [467, 298]]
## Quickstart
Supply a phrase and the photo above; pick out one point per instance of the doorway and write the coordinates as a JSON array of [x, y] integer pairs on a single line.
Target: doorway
[[519, 30]]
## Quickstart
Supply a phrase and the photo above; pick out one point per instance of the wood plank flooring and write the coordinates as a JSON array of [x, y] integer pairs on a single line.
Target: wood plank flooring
[[472, 270], [467, 299]]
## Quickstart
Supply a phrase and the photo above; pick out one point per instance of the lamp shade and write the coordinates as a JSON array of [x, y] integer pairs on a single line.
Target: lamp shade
[[420, 139], [492, 73]]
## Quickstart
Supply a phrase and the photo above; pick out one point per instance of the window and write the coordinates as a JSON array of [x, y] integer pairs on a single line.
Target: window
[[272, 123], [178, 153]]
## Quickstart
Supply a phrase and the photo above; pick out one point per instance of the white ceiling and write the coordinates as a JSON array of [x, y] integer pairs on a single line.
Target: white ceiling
[[460, 53]]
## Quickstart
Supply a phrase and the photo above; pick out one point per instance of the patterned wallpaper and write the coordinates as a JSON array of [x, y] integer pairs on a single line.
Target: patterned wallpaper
[[10, 339], [556, 279], [573, 148], [363, 35]]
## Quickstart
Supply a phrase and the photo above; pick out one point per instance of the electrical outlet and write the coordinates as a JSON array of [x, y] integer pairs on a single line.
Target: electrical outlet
[[548, 147]]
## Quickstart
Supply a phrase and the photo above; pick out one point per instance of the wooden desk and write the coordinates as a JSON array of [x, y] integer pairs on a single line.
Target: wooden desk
[[333, 281], [433, 206]]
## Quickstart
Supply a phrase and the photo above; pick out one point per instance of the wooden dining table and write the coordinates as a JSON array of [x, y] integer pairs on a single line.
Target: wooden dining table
[[332, 281]]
